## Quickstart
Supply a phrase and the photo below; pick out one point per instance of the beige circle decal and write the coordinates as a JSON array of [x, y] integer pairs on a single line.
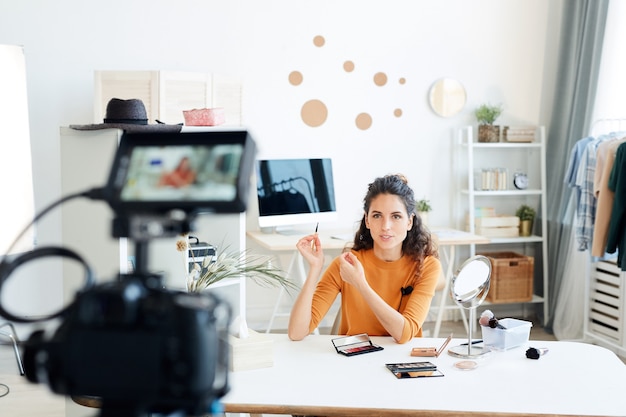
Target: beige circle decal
[[402, 81], [363, 121], [348, 66], [319, 41], [314, 113], [295, 78], [380, 79], [397, 112]]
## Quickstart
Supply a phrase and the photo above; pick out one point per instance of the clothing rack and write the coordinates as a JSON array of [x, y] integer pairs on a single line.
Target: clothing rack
[[266, 190], [600, 126]]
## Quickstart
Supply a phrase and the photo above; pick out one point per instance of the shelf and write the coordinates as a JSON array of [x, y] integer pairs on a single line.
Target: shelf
[[528, 239], [505, 145], [535, 300], [502, 193]]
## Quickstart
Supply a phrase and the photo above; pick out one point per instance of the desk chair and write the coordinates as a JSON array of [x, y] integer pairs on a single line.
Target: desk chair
[[12, 334]]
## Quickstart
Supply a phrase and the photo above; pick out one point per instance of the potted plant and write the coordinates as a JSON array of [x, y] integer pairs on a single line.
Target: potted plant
[[486, 116], [526, 216], [423, 207]]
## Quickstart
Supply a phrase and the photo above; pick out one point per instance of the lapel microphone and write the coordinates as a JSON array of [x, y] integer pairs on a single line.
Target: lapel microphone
[[405, 291]]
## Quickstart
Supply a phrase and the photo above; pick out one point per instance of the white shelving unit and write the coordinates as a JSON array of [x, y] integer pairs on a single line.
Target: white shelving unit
[[510, 157]]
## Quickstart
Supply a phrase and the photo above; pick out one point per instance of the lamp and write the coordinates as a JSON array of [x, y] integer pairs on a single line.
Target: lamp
[[15, 155], [15, 165]]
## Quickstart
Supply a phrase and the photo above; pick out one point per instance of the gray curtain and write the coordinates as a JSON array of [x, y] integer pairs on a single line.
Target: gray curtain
[[582, 35]]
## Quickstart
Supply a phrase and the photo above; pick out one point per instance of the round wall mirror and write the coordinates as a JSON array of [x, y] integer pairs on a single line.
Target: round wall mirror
[[447, 97], [469, 288]]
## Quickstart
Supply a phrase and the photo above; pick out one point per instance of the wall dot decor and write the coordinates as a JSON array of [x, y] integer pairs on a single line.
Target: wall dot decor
[[314, 113], [319, 41], [363, 121], [295, 78], [380, 79]]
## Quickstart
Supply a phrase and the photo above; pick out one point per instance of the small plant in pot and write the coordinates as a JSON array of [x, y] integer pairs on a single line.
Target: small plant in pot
[[423, 207], [486, 115], [526, 216]]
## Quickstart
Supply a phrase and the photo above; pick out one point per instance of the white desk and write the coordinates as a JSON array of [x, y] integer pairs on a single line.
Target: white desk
[[309, 378], [448, 240]]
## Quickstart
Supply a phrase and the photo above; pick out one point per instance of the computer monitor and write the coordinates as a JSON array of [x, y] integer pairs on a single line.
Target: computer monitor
[[295, 192]]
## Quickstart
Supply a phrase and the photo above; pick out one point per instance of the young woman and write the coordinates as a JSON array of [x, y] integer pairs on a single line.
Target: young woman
[[388, 278], [182, 176]]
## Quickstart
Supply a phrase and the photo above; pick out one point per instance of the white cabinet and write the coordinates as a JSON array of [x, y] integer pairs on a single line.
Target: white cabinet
[[503, 159], [86, 158]]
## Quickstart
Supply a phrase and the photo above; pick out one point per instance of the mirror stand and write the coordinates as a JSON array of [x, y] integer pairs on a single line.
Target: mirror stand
[[469, 350], [469, 288]]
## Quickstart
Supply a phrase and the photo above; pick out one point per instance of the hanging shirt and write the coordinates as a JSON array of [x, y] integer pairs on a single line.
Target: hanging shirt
[[617, 226], [604, 196]]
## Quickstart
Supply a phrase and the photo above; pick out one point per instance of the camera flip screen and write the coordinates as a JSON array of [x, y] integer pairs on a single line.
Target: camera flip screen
[[195, 172]]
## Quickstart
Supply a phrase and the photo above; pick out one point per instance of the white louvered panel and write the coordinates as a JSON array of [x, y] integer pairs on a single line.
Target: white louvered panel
[[167, 93], [183, 91], [125, 85], [602, 330], [228, 93], [606, 301]]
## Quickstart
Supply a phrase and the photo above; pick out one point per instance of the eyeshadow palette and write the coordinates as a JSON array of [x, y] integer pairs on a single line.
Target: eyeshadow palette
[[355, 345], [413, 369]]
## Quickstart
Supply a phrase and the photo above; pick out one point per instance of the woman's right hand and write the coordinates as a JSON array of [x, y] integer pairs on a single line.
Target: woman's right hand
[[310, 248]]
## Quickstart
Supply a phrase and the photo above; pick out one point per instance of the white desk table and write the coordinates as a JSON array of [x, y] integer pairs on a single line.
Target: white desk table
[[309, 378]]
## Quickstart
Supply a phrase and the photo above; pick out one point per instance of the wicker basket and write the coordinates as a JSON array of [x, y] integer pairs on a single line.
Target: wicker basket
[[511, 277]]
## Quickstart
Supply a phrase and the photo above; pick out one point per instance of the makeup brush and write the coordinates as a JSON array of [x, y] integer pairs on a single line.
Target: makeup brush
[[485, 317]]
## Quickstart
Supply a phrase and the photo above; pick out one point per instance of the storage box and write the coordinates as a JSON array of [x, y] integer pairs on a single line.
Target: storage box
[[516, 333], [204, 117], [253, 352], [511, 277]]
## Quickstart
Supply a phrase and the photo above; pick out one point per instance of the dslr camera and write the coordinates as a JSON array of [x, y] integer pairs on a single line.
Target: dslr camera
[[135, 347]]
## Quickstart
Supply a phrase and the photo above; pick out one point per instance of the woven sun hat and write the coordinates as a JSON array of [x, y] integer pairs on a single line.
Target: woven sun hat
[[129, 115]]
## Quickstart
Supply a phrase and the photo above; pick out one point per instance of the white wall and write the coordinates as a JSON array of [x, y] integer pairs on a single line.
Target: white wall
[[502, 52]]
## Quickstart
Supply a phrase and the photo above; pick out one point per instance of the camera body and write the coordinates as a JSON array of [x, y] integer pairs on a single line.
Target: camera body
[[137, 349]]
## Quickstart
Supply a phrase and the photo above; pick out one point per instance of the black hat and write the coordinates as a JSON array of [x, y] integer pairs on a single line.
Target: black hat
[[129, 115]]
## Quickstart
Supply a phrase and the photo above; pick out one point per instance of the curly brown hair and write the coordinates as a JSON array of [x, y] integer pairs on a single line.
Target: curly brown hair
[[418, 243]]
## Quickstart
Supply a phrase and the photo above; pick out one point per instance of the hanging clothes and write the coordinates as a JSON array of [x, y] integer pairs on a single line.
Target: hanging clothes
[[604, 196], [584, 153], [617, 226]]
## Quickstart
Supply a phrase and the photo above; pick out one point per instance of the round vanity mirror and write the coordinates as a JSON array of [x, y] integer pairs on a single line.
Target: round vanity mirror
[[469, 288], [447, 97]]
